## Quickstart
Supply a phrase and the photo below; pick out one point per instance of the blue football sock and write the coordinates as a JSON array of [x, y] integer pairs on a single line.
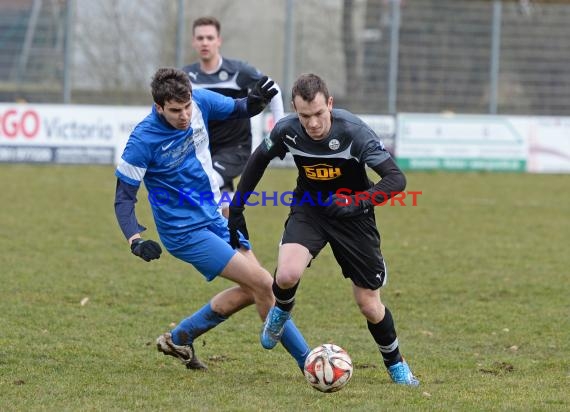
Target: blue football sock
[[195, 325], [295, 343]]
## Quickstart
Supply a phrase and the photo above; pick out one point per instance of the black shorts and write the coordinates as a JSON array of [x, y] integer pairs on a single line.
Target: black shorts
[[229, 162], [355, 243]]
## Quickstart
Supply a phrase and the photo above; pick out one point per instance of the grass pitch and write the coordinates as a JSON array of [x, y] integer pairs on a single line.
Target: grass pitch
[[478, 286]]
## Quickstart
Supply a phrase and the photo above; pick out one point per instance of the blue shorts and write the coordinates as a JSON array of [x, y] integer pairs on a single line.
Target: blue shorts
[[206, 248]]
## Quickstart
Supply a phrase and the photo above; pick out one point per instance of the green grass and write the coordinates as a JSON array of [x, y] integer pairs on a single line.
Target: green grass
[[478, 286]]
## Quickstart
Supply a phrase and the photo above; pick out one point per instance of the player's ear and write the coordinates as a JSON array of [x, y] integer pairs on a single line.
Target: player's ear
[[293, 103], [330, 103], [158, 108]]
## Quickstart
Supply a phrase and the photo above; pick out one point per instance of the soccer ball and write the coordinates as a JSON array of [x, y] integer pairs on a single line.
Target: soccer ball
[[328, 368]]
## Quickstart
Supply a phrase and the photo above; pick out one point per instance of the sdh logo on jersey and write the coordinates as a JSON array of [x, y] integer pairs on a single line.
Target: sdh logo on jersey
[[322, 172]]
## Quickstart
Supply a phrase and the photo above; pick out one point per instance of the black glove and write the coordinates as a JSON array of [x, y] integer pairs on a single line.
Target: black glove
[[260, 95], [146, 249], [236, 221], [347, 206]]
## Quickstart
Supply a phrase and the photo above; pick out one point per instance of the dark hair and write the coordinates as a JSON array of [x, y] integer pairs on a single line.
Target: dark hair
[[307, 86], [207, 21], [170, 84]]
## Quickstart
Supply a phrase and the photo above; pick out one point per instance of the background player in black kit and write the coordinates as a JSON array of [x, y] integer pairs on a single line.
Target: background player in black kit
[[331, 148], [230, 141]]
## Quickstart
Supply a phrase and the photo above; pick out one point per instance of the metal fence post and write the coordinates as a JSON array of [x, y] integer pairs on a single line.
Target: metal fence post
[[394, 50], [180, 33], [289, 58], [20, 67], [68, 51], [495, 56]]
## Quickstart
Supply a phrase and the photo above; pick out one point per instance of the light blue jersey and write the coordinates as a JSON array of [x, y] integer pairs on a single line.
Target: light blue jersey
[[176, 167]]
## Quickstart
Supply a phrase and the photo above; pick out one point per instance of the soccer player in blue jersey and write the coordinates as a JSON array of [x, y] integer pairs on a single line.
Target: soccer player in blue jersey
[[168, 150], [230, 140], [333, 203]]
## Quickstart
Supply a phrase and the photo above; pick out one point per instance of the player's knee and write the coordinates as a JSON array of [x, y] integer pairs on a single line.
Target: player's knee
[[373, 311], [287, 277]]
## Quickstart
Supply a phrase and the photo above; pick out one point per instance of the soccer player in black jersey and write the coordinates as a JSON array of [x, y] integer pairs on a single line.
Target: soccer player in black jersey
[[332, 203], [230, 141]]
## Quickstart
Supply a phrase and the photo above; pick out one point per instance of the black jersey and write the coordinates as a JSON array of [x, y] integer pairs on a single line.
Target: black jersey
[[337, 162], [234, 78]]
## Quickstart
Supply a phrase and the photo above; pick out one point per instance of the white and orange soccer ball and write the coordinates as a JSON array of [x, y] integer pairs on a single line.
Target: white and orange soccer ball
[[328, 368]]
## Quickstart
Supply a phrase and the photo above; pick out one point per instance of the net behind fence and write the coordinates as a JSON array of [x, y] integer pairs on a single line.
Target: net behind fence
[[378, 56]]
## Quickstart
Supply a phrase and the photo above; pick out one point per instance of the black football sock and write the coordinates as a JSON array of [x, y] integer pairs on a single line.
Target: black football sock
[[284, 298], [384, 333]]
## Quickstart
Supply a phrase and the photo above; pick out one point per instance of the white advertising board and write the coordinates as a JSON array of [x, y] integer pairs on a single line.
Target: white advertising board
[[462, 142], [479, 142], [86, 134], [75, 134], [549, 145]]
